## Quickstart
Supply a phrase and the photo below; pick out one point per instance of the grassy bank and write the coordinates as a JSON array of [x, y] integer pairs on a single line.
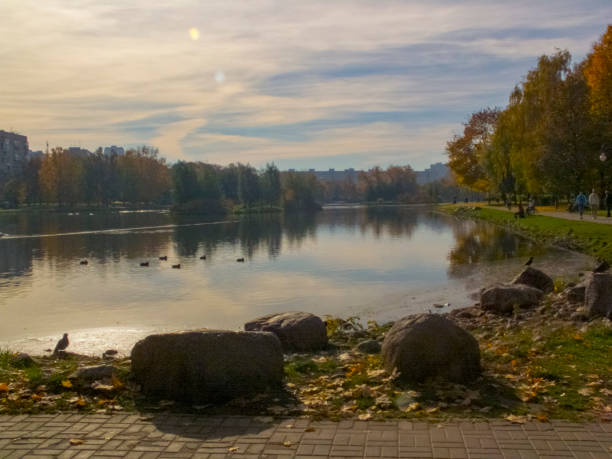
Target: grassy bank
[[594, 239], [537, 364]]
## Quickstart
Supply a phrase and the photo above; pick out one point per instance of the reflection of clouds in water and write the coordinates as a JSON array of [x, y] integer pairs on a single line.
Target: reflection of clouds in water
[[379, 263]]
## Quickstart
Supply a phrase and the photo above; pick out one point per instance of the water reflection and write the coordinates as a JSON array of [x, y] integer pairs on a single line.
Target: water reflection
[[478, 242], [378, 263]]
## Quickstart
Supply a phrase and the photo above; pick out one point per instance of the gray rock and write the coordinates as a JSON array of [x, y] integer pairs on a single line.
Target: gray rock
[[503, 298], [370, 346], [598, 295], [297, 331], [22, 360], [535, 278], [575, 292], [207, 366], [429, 345], [93, 373]]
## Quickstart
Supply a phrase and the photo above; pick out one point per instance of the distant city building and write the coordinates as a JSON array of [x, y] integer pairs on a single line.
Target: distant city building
[[78, 151], [435, 172], [113, 150], [35, 154], [13, 154]]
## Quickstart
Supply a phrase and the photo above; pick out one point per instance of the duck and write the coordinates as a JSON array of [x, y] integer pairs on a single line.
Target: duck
[[84, 262], [203, 257], [240, 260], [144, 263], [177, 266], [164, 258]]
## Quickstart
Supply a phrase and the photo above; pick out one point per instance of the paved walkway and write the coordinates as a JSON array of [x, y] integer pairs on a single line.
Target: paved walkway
[[561, 214], [189, 436]]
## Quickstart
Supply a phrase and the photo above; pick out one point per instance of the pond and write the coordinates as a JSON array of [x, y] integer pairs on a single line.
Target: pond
[[377, 263]]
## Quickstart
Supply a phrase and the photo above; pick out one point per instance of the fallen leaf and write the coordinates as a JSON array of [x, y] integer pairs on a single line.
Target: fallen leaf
[[233, 449], [516, 419], [585, 392], [542, 418], [309, 429], [4, 387], [76, 442], [287, 444], [364, 416], [81, 402], [66, 383], [413, 407]]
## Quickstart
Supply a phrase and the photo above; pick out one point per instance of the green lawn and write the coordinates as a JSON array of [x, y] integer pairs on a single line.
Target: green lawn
[[591, 238]]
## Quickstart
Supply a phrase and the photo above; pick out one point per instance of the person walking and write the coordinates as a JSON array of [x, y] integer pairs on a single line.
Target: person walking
[[581, 202], [607, 201], [594, 203]]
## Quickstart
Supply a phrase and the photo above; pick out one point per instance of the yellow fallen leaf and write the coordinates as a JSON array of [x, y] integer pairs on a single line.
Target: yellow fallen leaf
[[116, 383], [413, 407], [516, 419], [578, 337], [81, 402], [364, 416], [233, 449], [76, 442], [433, 410], [287, 444], [36, 397], [542, 418], [3, 387], [66, 383]]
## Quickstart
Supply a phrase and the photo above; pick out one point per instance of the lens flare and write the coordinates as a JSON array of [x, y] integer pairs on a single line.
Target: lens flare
[[194, 33]]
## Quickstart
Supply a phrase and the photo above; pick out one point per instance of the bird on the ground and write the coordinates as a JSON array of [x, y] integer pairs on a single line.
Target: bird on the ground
[[240, 260], [84, 262], [203, 257], [602, 267], [164, 258], [177, 266], [144, 263], [529, 261], [62, 344]]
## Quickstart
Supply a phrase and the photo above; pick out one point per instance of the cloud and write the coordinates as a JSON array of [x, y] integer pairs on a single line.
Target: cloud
[[117, 72]]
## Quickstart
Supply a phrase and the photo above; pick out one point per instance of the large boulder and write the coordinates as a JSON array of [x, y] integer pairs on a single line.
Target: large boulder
[[503, 298], [297, 331], [207, 366], [535, 278], [429, 345], [598, 295]]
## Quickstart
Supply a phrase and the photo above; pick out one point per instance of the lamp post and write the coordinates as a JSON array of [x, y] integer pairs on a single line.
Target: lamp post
[[603, 157]]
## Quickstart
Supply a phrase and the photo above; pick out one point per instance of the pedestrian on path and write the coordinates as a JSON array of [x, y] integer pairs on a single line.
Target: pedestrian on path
[[594, 203], [581, 202], [608, 202]]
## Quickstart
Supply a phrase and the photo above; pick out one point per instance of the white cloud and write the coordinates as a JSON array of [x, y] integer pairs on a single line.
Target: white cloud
[[78, 69]]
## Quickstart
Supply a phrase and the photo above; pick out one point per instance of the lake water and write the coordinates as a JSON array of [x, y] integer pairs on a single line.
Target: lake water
[[377, 263]]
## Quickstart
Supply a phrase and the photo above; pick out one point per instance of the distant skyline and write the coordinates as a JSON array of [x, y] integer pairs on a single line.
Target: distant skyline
[[312, 84]]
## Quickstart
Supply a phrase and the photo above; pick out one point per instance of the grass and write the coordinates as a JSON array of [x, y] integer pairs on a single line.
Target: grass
[[594, 239], [534, 366]]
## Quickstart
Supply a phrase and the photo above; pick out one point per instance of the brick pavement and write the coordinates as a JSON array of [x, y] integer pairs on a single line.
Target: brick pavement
[[138, 436]]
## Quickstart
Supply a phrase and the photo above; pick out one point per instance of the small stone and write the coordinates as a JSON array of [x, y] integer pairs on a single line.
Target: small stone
[[370, 346]]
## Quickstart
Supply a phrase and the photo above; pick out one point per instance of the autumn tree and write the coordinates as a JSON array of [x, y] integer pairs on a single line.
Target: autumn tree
[[467, 152]]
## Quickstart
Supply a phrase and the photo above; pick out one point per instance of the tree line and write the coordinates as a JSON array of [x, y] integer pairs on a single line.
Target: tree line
[[554, 137], [140, 177]]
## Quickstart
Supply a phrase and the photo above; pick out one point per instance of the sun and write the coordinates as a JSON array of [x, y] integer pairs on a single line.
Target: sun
[[194, 33]]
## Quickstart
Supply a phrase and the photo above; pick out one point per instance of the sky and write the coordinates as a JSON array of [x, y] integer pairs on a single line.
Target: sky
[[304, 84]]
